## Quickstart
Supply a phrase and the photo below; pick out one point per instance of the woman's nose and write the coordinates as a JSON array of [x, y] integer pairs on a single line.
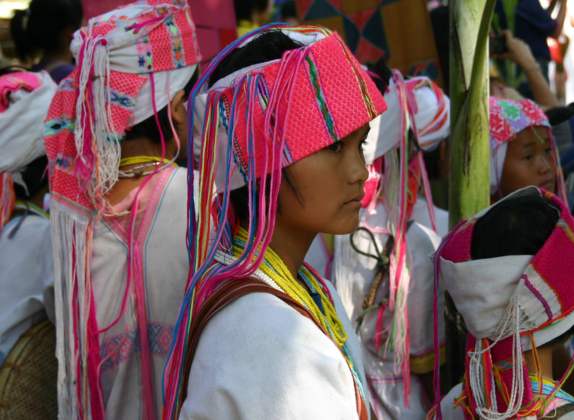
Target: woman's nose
[[358, 168]]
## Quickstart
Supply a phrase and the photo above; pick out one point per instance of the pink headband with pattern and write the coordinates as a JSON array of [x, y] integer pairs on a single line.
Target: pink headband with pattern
[[337, 101]]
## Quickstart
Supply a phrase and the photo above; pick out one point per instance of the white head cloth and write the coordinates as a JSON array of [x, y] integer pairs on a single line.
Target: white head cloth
[[428, 109], [121, 50]]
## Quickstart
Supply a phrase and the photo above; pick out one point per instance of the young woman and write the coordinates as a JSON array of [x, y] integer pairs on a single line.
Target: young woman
[[261, 335], [522, 149], [512, 285], [114, 130], [26, 278]]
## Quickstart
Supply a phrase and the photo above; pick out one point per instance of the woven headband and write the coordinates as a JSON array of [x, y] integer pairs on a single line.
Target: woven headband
[[329, 84]]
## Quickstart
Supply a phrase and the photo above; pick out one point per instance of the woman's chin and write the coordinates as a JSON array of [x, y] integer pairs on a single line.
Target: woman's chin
[[345, 227]]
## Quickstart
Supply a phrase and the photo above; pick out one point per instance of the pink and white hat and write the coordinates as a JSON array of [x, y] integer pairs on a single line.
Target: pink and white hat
[[508, 303], [130, 63], [428, 110]]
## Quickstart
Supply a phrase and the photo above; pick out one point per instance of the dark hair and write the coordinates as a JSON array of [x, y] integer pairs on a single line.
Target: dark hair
[[244, 8], [383, 74], [40, 27], [289, 10], [268, 46], [35, 177], [520, 225], [149, 127]]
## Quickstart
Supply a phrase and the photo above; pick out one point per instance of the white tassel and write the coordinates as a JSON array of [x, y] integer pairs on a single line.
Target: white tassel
[[103, 133], [65, 226], [509, 326]]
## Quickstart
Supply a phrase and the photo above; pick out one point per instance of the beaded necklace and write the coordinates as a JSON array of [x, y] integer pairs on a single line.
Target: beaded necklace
[[138, 166], [313, 297]]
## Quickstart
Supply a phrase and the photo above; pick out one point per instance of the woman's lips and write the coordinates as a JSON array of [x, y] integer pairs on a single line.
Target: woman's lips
[[355, 201]]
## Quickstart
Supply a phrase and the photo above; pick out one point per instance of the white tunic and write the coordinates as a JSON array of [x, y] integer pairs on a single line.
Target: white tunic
[[353, 275], [26, 277], [161, 233], [261, 359]]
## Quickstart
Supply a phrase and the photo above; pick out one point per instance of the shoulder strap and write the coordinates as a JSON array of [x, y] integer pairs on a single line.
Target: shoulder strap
[[227, 293]]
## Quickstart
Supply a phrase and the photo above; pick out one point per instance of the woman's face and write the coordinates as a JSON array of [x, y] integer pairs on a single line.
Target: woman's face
[[323, 191], [529, 161]]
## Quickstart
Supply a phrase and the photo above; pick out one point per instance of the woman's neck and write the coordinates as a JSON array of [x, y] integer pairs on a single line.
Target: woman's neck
[[53, 59], [291, 245], [135, 147]]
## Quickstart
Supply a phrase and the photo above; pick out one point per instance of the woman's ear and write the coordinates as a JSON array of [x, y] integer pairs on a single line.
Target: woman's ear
[[178, 111]]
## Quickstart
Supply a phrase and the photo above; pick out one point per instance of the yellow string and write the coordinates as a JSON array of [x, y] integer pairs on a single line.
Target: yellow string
[[275, 268], [138, 160]]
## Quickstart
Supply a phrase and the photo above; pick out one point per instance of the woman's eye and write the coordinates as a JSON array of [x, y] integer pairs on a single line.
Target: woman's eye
[[548, 151], [336, 147]]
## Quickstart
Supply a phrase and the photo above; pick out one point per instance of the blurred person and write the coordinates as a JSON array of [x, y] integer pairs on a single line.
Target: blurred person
[[251, 14], [26, 278], [44, 32], [534, 24], [118, 211]]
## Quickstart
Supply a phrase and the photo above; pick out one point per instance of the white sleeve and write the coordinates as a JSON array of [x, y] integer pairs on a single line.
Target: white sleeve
[[449, 410], [260, 359]]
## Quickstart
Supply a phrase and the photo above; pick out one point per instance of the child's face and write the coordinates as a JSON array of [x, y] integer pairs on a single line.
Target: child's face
[[529, 161], [329, 188]]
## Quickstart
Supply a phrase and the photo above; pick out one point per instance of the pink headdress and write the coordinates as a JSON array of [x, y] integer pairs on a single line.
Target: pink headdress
[[252, 127], [24, 101], [509, 117], [508, 303], [130, 63]]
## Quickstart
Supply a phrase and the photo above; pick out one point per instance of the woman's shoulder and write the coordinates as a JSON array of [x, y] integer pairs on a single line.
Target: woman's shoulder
[[259, 344]]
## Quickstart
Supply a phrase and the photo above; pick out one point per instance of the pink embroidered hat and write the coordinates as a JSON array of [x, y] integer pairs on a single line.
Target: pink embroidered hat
[[130, 63], [509, 117], [254, 122], [509, 304], [24, 101]]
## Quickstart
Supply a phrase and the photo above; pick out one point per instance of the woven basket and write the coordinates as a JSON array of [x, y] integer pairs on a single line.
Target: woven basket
[[28, 389]]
